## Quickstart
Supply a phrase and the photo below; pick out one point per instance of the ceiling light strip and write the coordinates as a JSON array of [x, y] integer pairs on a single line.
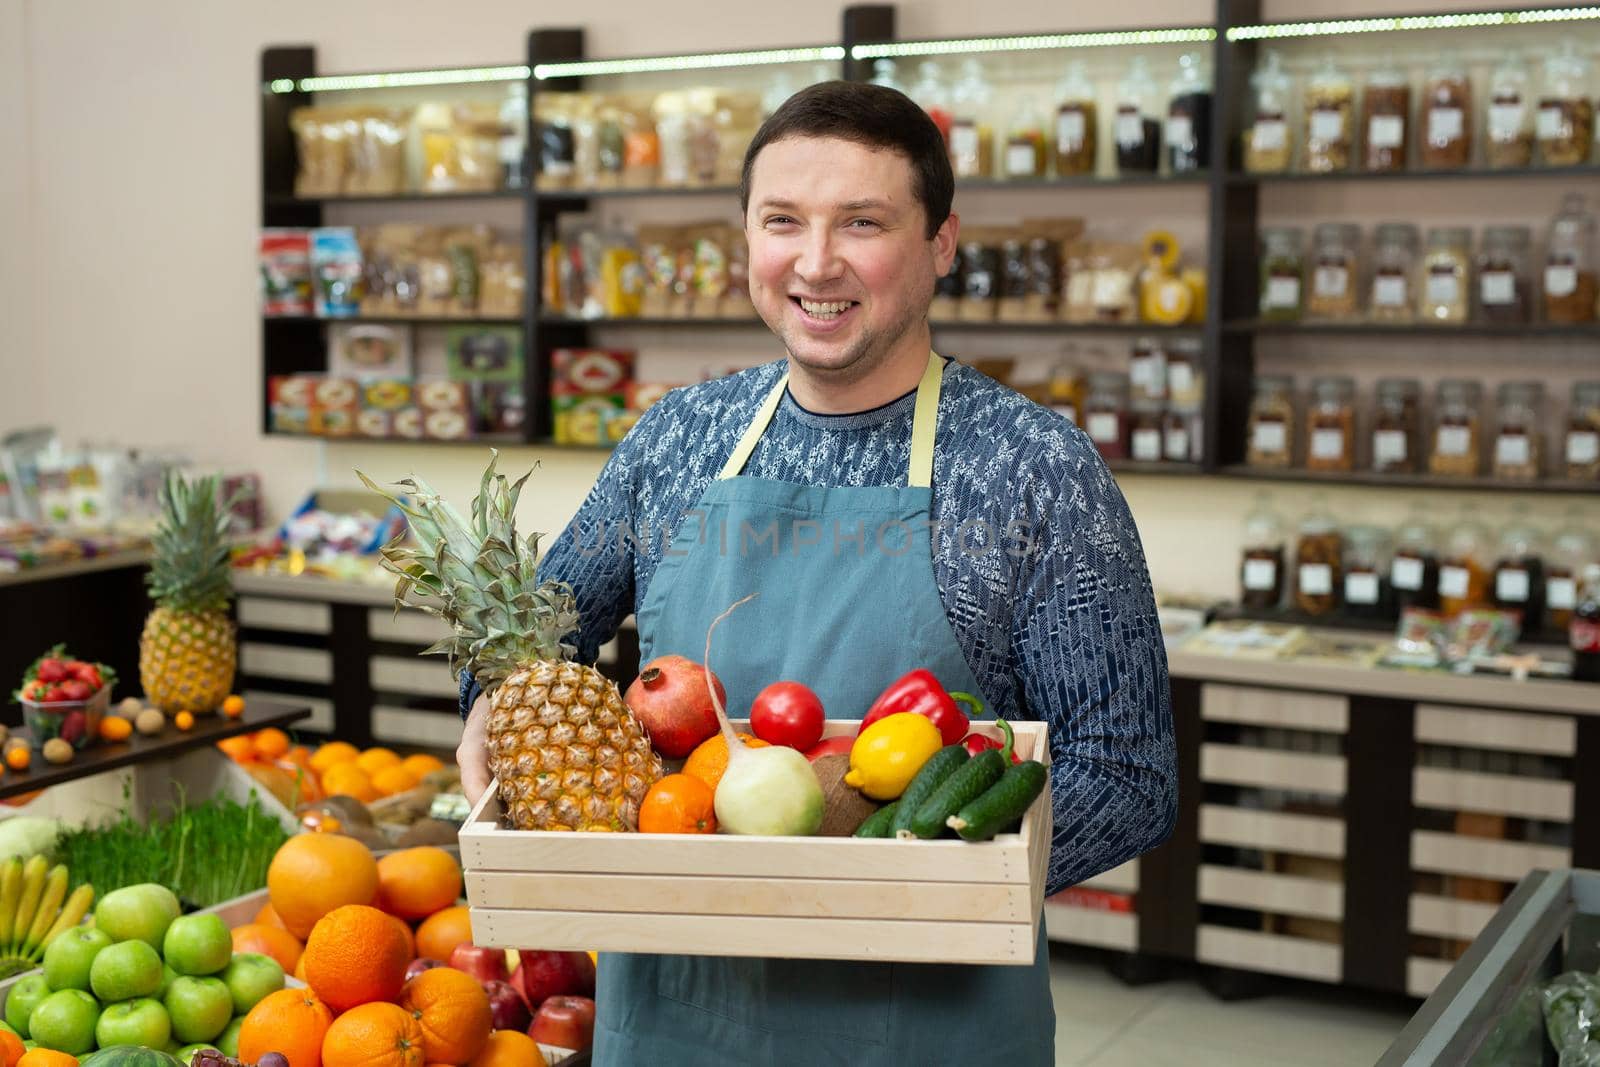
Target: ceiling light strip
[[401, 79], [1469, 20], [1038, 42], [709, 61]]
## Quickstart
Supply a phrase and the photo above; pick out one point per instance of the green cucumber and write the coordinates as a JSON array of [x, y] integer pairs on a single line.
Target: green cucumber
[[1003, 804], [941, 765], [969, 782], [877, 824]]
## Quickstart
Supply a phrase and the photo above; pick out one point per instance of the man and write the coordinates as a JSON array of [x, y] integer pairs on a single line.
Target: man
[[893, 510]]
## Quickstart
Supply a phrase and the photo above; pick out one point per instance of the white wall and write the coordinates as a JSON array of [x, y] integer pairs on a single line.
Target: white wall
[[128, 306]]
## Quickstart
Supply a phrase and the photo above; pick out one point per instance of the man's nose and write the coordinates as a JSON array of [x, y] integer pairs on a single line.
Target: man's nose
[[819, 260]]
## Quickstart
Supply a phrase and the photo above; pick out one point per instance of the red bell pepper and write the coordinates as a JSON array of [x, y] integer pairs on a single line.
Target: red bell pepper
[[976, 743], [920, 693]]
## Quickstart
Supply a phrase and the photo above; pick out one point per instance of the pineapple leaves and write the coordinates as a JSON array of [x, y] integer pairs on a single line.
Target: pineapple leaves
[[189, 569]]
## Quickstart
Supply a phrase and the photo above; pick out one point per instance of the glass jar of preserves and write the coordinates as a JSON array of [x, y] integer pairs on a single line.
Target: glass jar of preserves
[[1572, 549], [1146, 430], [1570, 271], [1147, 372], [1318, 565], [1504, 284], [1180, 437], [1367, 593], [1519, 440], [1394, 273], [1445, 270], [1068, 390], [1271, 422], [1582, 444], [1105, 413], [1397, 426], [1510, 122], [1458, 429], [1464, 567], [1282, 273], [1261, 570], [1189, 117], [1077, 122], [1447, 114], [1334, 270], [1386, 119], [1518, 584], [1027, 149], [930, 93], [971, 132], [1186, 383], [1331, 425], [1414, 570], [1565, 123], [1138, 127], [1268, 146], [1329, 118]]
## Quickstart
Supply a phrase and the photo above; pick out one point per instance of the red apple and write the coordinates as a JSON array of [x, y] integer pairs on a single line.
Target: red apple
[[830, 746], [671, 699], [485, 964], [565, 1022], [417, 966], [541, 974], [507, 1009]]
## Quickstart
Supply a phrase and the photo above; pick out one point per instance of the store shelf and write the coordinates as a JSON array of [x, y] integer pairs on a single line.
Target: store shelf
[[1380, 628], [642, 322], [289, 200], [481, 441], [1584, 331], [399, 320], [997, 326], [654, 191], [1405, 481], [1131, 466], [1087, 181], [1581, 173]]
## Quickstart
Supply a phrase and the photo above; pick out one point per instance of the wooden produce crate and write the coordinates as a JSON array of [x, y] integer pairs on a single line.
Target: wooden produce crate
[[796, 897]]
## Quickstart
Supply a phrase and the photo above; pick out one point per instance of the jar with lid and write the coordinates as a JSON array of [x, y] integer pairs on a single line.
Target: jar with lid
[[1386, 119], [1447, 114], [1138, 128], [1329, 118], [1077, 122], [1282, 273], [1582, 444], [1519, 581], [1268, 146], [971, 134], [1331, 425], [1397, 426], [1186, 386], [1271, 422], [1504, 282], [1394, 273], [1261, 570], [930, 93], [1180, 436], [1519, 439], [1068, 390], [1572, 549], [1414, 570], [1570, 271], [1445, 270], [1318, 563], [1146, 430], [1458, 429], [1105, 413], [1189, 117], [1367, 594], [1334, 270], [1027, 152], [887, 74], [1147, 371], [1565, 123], [1465, 565], [1510, 119]]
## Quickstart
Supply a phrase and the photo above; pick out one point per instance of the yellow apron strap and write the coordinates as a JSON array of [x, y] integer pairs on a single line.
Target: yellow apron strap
[[757, 427]]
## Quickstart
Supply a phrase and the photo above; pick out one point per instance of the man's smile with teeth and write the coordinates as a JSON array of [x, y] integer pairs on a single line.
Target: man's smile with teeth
[[824, 309]]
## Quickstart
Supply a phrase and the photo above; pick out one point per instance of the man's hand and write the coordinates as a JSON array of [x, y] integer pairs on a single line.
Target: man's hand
[[472, 755]]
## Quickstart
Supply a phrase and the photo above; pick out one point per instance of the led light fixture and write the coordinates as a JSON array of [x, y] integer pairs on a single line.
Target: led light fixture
[[401, 79], [1105, 39], [709, 61], [1468, 20]]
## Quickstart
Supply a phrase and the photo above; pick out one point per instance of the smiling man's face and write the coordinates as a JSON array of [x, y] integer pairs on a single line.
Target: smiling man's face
[[841, 268]]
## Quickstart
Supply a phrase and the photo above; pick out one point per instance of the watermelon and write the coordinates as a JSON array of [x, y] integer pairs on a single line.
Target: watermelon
[[128, 1056]]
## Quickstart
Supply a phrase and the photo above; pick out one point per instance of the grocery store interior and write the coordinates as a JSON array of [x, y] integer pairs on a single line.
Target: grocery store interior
[[1319, 280]]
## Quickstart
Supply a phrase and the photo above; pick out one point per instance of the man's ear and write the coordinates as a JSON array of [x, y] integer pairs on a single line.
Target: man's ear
[[944, 244]]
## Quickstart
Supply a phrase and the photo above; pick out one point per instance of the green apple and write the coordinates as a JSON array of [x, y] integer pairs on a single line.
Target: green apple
[[125, 971], [142, 1023], [200, 1007], [23, 998], [167, 975], [65, 1021], [250, 976], [141, 912], [228, 1040], [71, 955], [197, 944]]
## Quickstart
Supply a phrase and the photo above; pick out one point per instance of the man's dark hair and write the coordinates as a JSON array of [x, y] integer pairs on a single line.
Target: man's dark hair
[[870, 115]]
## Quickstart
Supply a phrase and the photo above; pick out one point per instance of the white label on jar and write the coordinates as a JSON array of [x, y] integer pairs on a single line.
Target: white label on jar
[[1330, 282], [1407, 573], [1130, 129], [1283, 292], [1316, 579], [964, 141], [1066, 411], [1443, 288], [1511, 450], [1105, 427], [1454, 582], [1021, 160], [1327, 444], [1444, 124], [1386, 131], [1271, 135], [1180, 130], [1505, 122], [1260, 574], [1071, 128], [1552, 124], [1361, 588], [1390, 291], [1180, 377], [1178, 444], [1561, 593], [1269, 437], [1147, 445], [1560, 280], [1112, 288], [1511, 585], [1388, 447], [1583, 447], [1327, 125], [1453, 441], [1498, 286]]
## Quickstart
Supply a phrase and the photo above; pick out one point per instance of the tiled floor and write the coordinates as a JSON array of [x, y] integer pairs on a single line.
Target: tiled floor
[[1100, 1022]]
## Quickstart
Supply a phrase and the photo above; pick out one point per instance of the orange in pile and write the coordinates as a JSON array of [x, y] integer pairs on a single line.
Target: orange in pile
[[291, 1021], [442, 931], [506, 1048], [709, 762], [374, 1035], [313, 874], [678, 804], [273, 941], [452, 1010], [354, 956], [416, 882]]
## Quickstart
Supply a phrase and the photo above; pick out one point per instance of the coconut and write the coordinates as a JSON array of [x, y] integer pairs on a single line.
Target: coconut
[[844, 807]]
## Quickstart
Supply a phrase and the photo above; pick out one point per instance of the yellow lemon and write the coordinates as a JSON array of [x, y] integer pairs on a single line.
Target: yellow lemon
[[890, 752]]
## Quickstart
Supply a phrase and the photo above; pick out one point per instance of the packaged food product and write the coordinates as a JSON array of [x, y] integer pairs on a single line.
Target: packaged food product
[[1138, 129], [1106, 413], [1180, 436], [1329, 118], [1565, 122], [1186, 385], [375, 151], [1519, 440], [1016, 278], [285, 272], [1572, 549], [368, 350], [552, 117], [1446, 266], [1331, 425], [1394, 273], [1414, 570], [1271, 430], [1519, 579], [591, 370], [1477, 632], [1188, 132], [1318, 564], [981, 273], [1571, 272], [320, 140], [673, 130], [1145, 432], [1267, 145], [1114, 273], [1386, 119], [1458, 433], [460, 146], [1581, 446], [1077, 122], [1509, 125], [971, 132], [1147, 372], [1046, 243], [1367, 593], [1447, 114], [1027, 152], [1397, 426], [1334, 271], [1464, 568], [1504, 283], [336, 271], [1261, 578], [513, 139], [1282, 273]]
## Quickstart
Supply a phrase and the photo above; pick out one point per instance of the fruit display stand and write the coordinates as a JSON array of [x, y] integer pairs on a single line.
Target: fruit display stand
[[802, 897]]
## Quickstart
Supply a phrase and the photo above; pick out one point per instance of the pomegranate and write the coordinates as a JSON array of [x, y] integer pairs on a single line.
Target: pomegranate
[[671, 699]]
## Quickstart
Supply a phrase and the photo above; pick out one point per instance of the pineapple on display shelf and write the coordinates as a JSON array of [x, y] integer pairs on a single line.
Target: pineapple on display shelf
[[189, 648], [568, 753]]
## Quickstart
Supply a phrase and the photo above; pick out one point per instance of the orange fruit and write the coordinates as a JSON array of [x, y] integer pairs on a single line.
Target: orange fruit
[[453, 1011], [44, 1057], [300, 968], [240, 749], [442, 931], [11, 1049], [407, 933], [709, 762], [334, 752], [272, 941], [416, 882], [233, 706], [374, 1035], [18, 757], [184, 720], [267, 916], [300, 756], [678, 804], [356, 956], [349, 780], [421, 765], [374, 760], [391, 780], [290, 1021], [505, 1048], [270, 743], [313, 874], [115, 728]]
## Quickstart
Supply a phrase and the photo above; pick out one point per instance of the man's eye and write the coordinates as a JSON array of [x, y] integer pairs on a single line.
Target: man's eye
[[779, 220], [863, 223]]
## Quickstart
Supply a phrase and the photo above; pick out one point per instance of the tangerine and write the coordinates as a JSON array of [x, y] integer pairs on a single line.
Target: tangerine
[[233, 706], [442, 931], [46, 1057], [416, 882], [453, 1011], [374, 1035], [240, 749], [678, 804], [184, 720], [268, 916], [348, 780], [391, 780], [356, 955], [313, 874], [409, 934], [115, 728], [421, 765], [273, 941], [506, 1048], [292, 1022], [270, 743], [374, 760], [709, 762], [11, 1048], [332, 753]]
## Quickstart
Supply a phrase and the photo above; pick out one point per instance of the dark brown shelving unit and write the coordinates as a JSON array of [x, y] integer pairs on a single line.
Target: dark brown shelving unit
[[1581, 331], [399, 320], [1584, 172], [290, 200], [1406, 481]]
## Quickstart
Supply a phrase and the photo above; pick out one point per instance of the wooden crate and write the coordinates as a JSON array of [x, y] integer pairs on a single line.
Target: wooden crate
[[795, 897]]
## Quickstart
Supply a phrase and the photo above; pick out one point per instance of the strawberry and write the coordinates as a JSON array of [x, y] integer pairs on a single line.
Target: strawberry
[[84, 672], [75, 689], [52, 671], [51, 695], [31, 688]]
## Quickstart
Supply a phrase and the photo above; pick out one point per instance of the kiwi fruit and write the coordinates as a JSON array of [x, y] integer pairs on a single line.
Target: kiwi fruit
[[844, 808]]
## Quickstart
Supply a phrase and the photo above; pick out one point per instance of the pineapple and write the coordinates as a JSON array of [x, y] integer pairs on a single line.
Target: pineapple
[[189, 648], [566, 750]]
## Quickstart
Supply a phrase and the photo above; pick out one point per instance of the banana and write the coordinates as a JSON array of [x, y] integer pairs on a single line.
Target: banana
[[33, 873], [10, 893], [55, 891], [72, 914]]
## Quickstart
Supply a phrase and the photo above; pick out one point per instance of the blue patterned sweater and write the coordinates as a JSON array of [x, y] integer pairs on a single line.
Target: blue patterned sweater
[[1065, 632]]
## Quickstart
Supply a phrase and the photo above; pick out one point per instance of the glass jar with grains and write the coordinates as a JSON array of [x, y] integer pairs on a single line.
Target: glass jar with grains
[[1510, 119], [1367, 594], [971, 131], [1138, 127], [1394, 272], [1386, 119], [1189, 117], [1397, 426], [1458, 429], [1105, 413], [1447, 114], [1414, 570], [1027, 150], [1145, 430], [1572, 550], [1261, 570], [1329, 118], [1282, 273], [1466, 563], [1077, 122], [1268, 146], [1570, 270], [1331, 425], [1271, 430], [1519, 440], [1566, 113], [1445, 269], [1582, 445], [1518, 584], [1318, 563], [1334, 252], [1504, 283]]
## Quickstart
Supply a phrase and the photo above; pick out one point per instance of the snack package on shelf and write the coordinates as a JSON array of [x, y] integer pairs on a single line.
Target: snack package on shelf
[[334, 404], [369, 350], [336, 268], [439, 272], [460, 147], [682, 271], [350, 151], [446, 409], [285, 265], [589, 391]]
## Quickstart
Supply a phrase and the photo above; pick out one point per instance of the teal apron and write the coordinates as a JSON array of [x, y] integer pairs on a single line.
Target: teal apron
[[847, 604]]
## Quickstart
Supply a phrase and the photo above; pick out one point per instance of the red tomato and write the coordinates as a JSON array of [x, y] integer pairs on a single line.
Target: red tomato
[[787, 713]]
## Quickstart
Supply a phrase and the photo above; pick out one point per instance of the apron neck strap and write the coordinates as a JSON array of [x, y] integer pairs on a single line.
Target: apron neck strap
[[923, 423]]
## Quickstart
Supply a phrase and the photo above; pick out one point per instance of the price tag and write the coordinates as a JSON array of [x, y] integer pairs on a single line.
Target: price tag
[[1361, 588], [1178, 445], [1445, 125], [1552, 124], [1147, 446], [1316, 579], [1511, 585], [1071, 129], [1283, 292], [1454, 582], [1389, 290], [1583, 447], [1021, 160], [1180, 131], [1407, 572], [1388, 447], [1330, 282], [1260, 574], [1453, 441], [1505, 122], [1327, 444], [1327, 125], [1512, 450], [1269, 437], [1561, 593], [1560, 281], [1386, 131], [1270, 135], [1498, 286], [1444, 288], [1130, 129], [1105, 427]]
